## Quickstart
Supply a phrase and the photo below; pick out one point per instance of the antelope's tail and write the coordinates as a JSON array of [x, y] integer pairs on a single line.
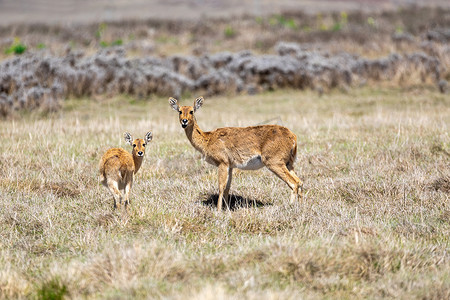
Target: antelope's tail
[[293, 155]]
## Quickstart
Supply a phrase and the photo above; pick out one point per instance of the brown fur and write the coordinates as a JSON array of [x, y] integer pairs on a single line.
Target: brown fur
[[248, 148], [118, 166]]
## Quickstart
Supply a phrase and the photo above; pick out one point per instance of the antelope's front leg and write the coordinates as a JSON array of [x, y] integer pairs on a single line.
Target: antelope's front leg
[[223, 174], [127, 191]]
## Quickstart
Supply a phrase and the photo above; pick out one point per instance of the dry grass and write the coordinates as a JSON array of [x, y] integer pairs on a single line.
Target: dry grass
[[374, 223]]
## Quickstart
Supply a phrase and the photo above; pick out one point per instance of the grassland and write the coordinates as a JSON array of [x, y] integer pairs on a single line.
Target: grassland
[[375, 222]]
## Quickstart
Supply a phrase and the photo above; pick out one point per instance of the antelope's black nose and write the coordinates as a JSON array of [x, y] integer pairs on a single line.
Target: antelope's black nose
[[140, 153], [184, 123]]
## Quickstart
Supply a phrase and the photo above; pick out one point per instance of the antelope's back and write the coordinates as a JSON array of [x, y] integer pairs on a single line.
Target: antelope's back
[[115, 160]]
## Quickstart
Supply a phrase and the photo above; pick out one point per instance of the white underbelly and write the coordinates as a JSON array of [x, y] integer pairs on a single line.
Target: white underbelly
[[254, 163]]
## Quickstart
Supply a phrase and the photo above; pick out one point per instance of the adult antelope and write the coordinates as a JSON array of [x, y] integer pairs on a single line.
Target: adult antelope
[[117, 167], [246, 148]]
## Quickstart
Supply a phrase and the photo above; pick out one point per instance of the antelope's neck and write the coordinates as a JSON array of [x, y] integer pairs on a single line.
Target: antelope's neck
[[197, 137], [137, 162]]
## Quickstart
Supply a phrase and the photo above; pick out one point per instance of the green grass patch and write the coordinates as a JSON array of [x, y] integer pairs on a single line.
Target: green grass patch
[[52, 290]]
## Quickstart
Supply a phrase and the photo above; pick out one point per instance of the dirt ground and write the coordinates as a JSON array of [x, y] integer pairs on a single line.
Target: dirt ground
[[82, 11]]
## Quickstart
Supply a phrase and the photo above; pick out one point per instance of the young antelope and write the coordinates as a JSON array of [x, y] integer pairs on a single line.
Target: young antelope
[[118, 166]]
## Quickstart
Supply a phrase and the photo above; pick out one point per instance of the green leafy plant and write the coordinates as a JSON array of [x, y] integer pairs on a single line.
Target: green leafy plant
[[323, 27], [341, 23], [105, 44], [100, 30], [306, 28], [344, 18], [229, 32], [117, 42], [280, 20], [17, 47], [337, 26]]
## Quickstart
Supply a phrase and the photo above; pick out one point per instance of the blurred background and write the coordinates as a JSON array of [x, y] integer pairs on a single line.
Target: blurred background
[[51, 11]]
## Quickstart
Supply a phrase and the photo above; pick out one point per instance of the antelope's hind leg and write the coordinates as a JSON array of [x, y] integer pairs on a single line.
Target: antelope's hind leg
[[290, 178], [127, 191], [227, 188], [298, 180], [224, 184], [299, 193], [114, 189]]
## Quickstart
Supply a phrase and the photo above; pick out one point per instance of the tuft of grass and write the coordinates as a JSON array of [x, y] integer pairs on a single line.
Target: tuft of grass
[[52, 290]]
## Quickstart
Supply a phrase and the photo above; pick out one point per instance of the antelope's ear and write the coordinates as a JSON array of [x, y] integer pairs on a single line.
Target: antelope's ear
[[198, 103], [128, 138], [148, 137], [174, 103]]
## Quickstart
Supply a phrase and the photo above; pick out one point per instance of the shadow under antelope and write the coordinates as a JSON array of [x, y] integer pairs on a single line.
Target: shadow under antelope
[[117, 168], [246, 148]]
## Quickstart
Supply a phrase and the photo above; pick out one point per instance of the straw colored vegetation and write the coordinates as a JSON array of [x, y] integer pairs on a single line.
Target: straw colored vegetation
[[375, 220]]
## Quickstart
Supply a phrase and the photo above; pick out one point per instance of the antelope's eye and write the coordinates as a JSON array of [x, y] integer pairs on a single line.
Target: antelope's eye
[[134, 145], [191, 112], [180, 112], [143, 145]]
